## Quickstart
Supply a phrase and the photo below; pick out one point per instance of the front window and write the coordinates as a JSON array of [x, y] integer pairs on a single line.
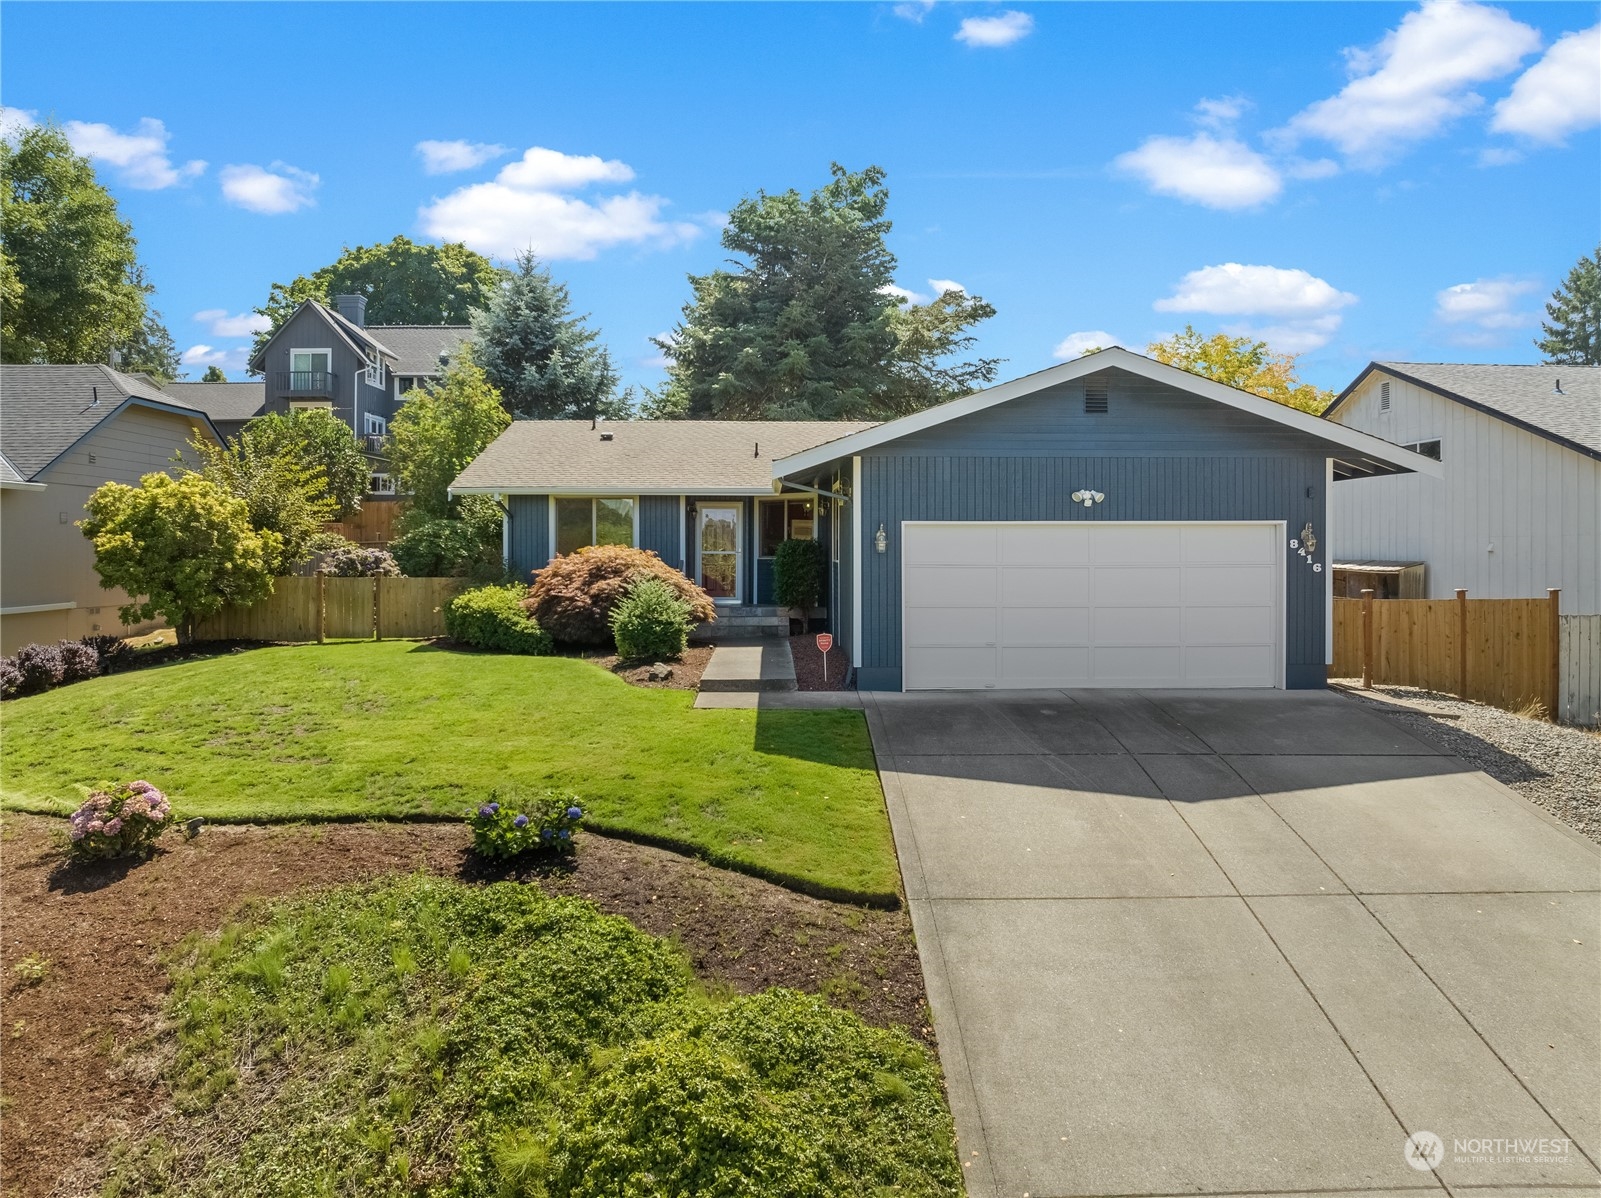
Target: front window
[[582, 522], [381, 484], [784, 520]]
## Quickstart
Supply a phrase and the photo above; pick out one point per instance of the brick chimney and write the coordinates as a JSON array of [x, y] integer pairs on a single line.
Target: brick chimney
[[353, 308]]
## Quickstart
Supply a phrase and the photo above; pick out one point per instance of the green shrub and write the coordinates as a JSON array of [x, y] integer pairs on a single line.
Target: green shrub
[[465, 544], [798, 573], [573, 597], [502, 830], [493, 618], [650, 621]]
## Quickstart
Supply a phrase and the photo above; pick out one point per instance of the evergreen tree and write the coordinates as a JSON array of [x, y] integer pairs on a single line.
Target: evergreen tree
[[69, 275], [151, 350], [214, 374], [544, 361], [806, 325], [1573, 334]]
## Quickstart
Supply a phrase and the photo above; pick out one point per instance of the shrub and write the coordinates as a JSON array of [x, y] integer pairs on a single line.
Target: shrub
[[504, 830], [494, 618], [79, 661], [118, 820], [573, 597], [353, 561], [465, 544], [651, 621], [41, 666], [798, 575], [113, 650], [10, 678]]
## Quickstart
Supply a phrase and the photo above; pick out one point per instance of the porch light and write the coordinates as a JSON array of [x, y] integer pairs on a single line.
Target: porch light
[[1088, 498], [881, 540]]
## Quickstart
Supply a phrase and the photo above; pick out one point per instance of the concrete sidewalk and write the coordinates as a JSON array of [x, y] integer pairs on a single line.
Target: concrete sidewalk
[[1241, 943]]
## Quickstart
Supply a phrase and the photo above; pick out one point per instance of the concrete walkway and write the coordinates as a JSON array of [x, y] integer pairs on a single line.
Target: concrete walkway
[[1241, 942]]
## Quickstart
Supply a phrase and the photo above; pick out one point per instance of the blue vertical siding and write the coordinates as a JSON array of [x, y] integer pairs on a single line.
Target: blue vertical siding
[[529, 541], [658, 528]]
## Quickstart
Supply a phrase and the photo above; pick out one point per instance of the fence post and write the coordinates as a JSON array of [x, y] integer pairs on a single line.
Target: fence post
[[1461, 643], [1554, 595], [1367, 640], [322, 607], [377, 610]]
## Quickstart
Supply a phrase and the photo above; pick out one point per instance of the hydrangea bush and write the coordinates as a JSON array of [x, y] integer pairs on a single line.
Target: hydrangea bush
[[118, 820], [502, 830]]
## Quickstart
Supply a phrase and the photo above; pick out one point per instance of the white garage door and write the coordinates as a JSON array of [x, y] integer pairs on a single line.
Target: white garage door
[[1091, 604]]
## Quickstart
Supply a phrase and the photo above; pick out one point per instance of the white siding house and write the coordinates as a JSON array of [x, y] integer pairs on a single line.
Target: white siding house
[[1519, 507]]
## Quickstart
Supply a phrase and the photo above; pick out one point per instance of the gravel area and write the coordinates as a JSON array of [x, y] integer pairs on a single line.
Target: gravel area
[[1556, 767]]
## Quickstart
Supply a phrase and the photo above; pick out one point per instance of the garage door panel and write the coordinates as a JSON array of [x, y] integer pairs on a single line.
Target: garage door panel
[[1114, 586], [952, 586], [1122, 665], [1045, 626], [1134, 545], [1045, 585], [1055, 666], [1045, 545], [952, 668], [1138, 625], [1228, 625], [952, 544], [1227, 586], [950, 626], [1237, 665], [1234, 544]]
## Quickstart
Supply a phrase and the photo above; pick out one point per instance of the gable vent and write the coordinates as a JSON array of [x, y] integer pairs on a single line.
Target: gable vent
[[1384, 397], [1095, 399]]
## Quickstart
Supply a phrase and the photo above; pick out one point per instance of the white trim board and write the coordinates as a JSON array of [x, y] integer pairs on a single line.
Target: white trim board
[[1121, 359], [603, 493], [30, 609]]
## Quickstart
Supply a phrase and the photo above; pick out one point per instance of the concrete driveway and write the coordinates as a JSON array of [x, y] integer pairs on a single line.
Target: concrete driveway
[[1242, 942]]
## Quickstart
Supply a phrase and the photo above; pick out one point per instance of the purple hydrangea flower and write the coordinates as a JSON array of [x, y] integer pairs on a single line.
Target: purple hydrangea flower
[[486, 811], [493, 808], [520, 822], [565, 834], [544, 833], [573, 813]]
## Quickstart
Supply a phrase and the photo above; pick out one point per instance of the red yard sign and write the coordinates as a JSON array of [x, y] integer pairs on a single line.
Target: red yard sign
[[825, 642]]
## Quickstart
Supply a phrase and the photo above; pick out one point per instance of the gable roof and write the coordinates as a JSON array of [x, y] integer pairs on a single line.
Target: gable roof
[[696, 457], [222, 401], [353, 335], [1522, 395], [418, 347], [46, 410], [1356, 454]]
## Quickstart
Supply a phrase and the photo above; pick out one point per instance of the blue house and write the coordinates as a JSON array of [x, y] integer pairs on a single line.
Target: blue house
[[1108, 522]]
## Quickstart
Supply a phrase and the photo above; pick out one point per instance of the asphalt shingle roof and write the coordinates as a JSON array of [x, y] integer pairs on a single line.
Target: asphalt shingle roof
[[222, 401], [645, 455], [45, 410], [8, 472], [417, 347], [1526, 394]]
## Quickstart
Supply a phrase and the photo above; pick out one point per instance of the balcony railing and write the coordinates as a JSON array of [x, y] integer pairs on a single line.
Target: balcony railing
[[322, 383], [372, 442]]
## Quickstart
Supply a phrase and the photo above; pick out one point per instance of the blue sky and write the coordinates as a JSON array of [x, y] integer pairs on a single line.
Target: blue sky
[[1350, 180]]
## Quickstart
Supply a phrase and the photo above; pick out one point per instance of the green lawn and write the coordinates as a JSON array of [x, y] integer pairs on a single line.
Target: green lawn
[[397, 729]]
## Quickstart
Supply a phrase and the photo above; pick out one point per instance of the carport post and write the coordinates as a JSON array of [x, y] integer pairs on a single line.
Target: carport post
[[1461, 643], [1367, 640], [1555, 706]]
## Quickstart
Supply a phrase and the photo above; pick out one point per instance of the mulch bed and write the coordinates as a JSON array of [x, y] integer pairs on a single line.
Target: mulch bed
[[70, 1081], [809, 665], [687, 669]]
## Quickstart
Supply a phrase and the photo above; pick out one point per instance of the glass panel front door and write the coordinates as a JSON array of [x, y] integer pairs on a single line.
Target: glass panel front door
[[719, 551]]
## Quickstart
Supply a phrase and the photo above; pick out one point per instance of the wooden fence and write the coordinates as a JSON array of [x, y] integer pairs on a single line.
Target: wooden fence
[[1498, 651], [324, 608], [1581, 670], [374, 525]]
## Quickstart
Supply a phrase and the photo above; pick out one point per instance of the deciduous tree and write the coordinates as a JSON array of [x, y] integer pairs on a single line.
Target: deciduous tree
[[285, 498], [182, 548], [1573, 332], [323, 443], [1241, 362], [214, 374], [440, 429]]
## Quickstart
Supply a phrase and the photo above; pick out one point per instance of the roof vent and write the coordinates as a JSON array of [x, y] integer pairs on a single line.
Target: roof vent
[[1557, 390], [1095, 399], [607, 436], [1384, 397]]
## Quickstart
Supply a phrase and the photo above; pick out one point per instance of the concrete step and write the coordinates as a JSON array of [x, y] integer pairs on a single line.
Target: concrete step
[[752, 666]]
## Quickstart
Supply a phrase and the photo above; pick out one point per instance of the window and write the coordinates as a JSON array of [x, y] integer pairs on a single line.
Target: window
[[781, 520], [1429, 449], [374, 425], [381, 484], [581, 522], [375, 374], [1096, 400], [310, 405]]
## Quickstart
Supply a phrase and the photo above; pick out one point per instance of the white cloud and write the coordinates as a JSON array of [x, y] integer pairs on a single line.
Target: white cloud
[[1416, 80], [275, 190], [1292, 310], [1479, 312], [221, 324], [443, 157], [658, 359], [1222, 112], [1313, 168], [1558, 95], [140, 158], [1075, 345], [523, 209], [14, 122], [914, 10], [1217, 172], [1000, 30], [1499, 156], [227, 357], [941, 286], [905, 293]]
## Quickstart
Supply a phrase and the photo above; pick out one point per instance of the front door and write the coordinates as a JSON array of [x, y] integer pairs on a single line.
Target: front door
[[717, 545]]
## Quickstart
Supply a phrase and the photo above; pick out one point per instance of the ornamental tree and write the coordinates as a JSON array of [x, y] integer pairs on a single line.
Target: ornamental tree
[[282, 494], [322, 442], [182, 548], [1243, 363]]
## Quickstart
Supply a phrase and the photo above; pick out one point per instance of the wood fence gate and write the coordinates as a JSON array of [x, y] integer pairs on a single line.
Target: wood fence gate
[[324, 608]]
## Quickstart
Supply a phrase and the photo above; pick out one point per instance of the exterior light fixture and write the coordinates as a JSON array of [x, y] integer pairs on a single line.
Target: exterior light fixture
[[1088, 498], [881, 540]]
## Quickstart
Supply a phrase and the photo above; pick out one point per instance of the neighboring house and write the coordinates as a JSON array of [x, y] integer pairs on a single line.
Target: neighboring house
[[1110, 522], [330, 358], [1519, 507], [65, 431], [230, 405]]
